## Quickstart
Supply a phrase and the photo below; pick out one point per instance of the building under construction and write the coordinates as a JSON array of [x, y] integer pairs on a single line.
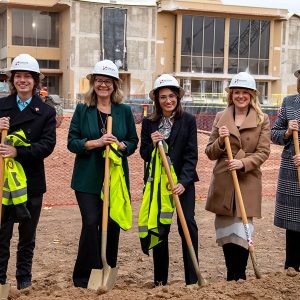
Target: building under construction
[[203, 43]]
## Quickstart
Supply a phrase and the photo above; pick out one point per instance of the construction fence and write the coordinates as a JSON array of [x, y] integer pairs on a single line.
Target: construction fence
[[59, 164]]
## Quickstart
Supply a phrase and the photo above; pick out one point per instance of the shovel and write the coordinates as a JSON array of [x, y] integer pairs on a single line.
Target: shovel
[[201, 280], [4, 288], [296, 145], [105, 278], [243, 211]]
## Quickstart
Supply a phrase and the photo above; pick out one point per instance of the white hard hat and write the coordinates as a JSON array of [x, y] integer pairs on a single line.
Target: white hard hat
[[25, 62], [166, 80], [242, 80], [297, 72], [105, 67]]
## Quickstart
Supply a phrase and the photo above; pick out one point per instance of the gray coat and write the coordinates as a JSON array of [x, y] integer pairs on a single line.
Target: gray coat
[[287, 209]]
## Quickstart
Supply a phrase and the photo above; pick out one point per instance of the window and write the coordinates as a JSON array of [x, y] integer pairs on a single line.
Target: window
[[3, 30], [48, 64], [52, 84], [202, 44], [249, 46], [113, 36], [35, 28]]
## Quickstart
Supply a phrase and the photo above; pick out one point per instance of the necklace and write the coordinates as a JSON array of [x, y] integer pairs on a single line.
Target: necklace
[[103, 129]]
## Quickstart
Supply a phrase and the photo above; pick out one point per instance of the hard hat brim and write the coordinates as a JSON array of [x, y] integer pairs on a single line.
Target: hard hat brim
[[297, 73], [152, 95], [8, 73], [227, 89], [89, 76]]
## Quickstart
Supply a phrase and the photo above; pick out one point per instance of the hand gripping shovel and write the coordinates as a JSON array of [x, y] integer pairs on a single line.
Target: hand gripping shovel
[[296, 145], [105, 278], [243, 211], [201, 280], [4, 288]]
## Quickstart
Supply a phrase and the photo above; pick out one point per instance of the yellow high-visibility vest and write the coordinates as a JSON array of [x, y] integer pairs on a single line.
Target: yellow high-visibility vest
[[15, 181], [119, 200], [157, 205]]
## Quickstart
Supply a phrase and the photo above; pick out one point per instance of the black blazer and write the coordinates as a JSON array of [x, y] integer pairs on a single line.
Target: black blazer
[[183, 149], [39, 125]]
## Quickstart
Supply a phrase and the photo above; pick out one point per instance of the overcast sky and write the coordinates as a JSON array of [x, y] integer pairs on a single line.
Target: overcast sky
[[291, 5]]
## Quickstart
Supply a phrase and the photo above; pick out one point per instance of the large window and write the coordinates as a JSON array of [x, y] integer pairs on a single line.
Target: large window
[[202, 44], [113, 36], [249, 46], [3, 30], [35, 28]]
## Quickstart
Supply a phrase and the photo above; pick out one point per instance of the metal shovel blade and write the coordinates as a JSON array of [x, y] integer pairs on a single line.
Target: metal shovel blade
[[103, 279], [4, 291]]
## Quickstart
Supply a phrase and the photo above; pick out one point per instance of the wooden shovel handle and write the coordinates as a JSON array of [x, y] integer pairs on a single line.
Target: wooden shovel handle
[[242, 209], [106, 179], [297, 151], [3, 137], [201, 280]]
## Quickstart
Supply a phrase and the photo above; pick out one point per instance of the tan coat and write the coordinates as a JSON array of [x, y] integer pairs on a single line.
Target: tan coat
[[251, 144]]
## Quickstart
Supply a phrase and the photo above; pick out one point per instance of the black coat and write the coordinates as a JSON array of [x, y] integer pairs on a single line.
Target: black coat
[[183, 149], [38, 122]]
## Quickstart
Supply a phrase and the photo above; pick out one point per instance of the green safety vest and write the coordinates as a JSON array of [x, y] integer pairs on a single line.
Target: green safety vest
[[157, 205], [15, 181], [119, 200]]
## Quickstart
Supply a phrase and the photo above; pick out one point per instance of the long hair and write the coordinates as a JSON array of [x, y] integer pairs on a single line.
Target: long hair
[[35, 76], [157, 113], [254, 102], [116, 97]]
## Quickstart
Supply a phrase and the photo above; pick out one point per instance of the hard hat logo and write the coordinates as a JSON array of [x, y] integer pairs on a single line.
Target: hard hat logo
[[166, 80], [105, 67], [25, 62], [242, 80]]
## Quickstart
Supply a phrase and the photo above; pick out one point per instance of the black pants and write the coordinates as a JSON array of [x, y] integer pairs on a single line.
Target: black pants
[[26, 245], [292, 250], [161, 251], [89, 250], [236, 258]]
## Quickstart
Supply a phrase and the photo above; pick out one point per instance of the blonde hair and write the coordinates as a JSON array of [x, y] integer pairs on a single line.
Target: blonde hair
[[90, 98], [254, 102]]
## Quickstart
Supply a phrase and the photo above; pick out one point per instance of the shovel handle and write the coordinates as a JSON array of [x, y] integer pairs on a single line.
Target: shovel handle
[[106, 179], [3, 137], [242, 210], [201, 280], [297, 151]]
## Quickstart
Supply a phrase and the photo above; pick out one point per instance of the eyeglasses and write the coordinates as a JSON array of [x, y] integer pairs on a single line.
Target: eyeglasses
[[107, 82], [164, 98]]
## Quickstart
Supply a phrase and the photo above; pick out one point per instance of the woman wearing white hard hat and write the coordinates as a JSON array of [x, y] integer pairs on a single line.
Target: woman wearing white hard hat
[[179, 130], [287, 209], [87, 139], [248, 129], [25, 110]]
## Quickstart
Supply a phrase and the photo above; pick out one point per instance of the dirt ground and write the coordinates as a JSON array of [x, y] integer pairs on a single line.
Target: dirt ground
[[57, 241], [59, 230]]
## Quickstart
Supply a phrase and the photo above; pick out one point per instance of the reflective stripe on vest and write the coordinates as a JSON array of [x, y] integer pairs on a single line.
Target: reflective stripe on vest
[[157, 205], [15, 181]]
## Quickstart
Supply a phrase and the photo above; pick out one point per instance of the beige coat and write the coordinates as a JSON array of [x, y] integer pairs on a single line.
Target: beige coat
[[251, 144]]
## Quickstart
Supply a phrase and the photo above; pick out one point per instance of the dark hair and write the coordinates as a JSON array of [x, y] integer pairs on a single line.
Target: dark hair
[[157, 113], [35, 76]]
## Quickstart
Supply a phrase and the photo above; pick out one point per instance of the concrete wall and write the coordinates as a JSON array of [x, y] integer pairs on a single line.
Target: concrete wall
[[290, 54], [85, 44]]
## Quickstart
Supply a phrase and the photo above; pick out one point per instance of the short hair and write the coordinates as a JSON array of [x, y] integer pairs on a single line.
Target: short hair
[[35, 76]]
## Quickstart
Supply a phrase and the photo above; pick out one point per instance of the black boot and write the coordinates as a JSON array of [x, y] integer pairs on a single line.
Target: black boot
[[229, 261], [22, 213]]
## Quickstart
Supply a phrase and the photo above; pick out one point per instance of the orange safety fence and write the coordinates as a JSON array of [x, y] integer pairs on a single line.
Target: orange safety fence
[[59, 166]]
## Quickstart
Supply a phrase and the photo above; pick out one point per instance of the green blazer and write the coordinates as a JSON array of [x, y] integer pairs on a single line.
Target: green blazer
[[88, 172]]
